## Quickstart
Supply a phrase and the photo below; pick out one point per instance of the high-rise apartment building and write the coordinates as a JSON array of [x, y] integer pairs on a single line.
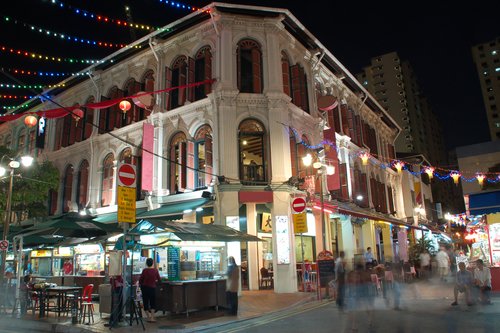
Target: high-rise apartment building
[[394, 84], [486, 56]]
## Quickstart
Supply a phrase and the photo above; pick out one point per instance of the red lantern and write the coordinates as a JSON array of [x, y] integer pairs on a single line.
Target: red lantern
[[30, 121], [77, 115], [125, 105]]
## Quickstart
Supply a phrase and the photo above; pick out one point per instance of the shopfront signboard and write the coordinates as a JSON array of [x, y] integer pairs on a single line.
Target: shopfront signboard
[[173, 263], [299, 223], [326, 271]]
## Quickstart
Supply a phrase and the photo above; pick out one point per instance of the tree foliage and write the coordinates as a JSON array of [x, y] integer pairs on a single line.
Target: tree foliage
[[30, 188], [419, 247]]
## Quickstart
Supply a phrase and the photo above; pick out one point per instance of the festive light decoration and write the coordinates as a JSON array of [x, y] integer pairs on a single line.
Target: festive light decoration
[[429, 171], [31, 86], [77, 115], [180, 5], [480, 178], [364, 158], [30, 121], [100, 18], [125, 106], [440, 173], [15, 97], [399, 166], [64, 111], [456, 176], [65, 37], [38, 73], [49, 58]]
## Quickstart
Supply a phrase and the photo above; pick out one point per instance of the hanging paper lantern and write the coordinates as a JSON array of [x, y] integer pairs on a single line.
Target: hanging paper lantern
[[77, 115], [30, 121], [364, 158], [456, 176], [480, 179], [399, 166], [430, 172], [125, 105]]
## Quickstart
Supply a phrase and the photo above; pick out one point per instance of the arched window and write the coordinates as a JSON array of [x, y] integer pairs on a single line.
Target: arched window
[[175, 77], [249, 59], [82, 184], [147, 85], [21, 141], [132, 87], [252, 142], [108, 175], [199, 158], [67, 198], [111, 117], [285, 72], [177, 163], [127, 157], [202, 72], [87, 122], [299, 87]]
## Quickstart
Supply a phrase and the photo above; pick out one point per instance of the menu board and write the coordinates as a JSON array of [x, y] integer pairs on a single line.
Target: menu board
[[326, 270], [173, 263]]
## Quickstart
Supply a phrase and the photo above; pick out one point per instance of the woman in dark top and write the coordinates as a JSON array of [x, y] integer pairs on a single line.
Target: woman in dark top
[[148, 281]]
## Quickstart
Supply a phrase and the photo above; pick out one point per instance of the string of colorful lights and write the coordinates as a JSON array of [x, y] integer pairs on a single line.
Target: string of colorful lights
[[430, 171], [101, 18], [41, 73], [64, 37], [31, 86], [46, 57], [15, 97]]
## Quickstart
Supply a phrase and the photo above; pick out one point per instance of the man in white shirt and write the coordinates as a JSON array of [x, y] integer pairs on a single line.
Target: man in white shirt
[[443, 263], [482, 281]]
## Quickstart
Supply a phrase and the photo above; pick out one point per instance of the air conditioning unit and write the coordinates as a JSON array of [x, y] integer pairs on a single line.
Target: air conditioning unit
[[406, 119], [407, 128], [410, 147]]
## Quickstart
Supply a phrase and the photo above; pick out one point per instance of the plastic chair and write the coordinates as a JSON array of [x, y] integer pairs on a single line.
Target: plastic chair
[[86, 305]]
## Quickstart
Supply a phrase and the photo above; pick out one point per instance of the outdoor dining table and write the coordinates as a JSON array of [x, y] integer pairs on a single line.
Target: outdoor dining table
[[61, 294]]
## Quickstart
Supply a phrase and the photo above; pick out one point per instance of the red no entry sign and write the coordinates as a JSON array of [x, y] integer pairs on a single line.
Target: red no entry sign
[[4, 245], [299, 205], [126, 175]]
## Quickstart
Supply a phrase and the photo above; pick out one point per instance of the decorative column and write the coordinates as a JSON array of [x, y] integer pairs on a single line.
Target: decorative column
[[252, 248]]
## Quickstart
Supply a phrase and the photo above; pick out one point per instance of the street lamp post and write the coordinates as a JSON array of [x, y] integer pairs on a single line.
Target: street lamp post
[[322, 171], [13, 165]]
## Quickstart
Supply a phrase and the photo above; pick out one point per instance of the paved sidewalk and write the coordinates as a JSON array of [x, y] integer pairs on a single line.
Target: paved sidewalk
[[251, 304]]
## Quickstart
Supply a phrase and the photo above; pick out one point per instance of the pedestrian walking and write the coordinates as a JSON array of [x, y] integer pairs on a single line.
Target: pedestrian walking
[[232, 286], [340, 279], [443, 263], [361, 296], [150, 277]]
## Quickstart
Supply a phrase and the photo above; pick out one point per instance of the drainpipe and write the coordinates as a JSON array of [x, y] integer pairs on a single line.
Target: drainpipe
[[151, 45]]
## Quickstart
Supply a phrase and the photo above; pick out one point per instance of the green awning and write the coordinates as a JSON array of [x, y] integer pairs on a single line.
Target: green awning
[[172, 211], [188, 231]]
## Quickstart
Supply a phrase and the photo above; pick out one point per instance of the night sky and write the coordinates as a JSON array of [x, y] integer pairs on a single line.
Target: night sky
[[435, 38]]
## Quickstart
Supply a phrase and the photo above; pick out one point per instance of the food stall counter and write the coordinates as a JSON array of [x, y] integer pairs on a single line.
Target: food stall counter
[[191, 295]]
